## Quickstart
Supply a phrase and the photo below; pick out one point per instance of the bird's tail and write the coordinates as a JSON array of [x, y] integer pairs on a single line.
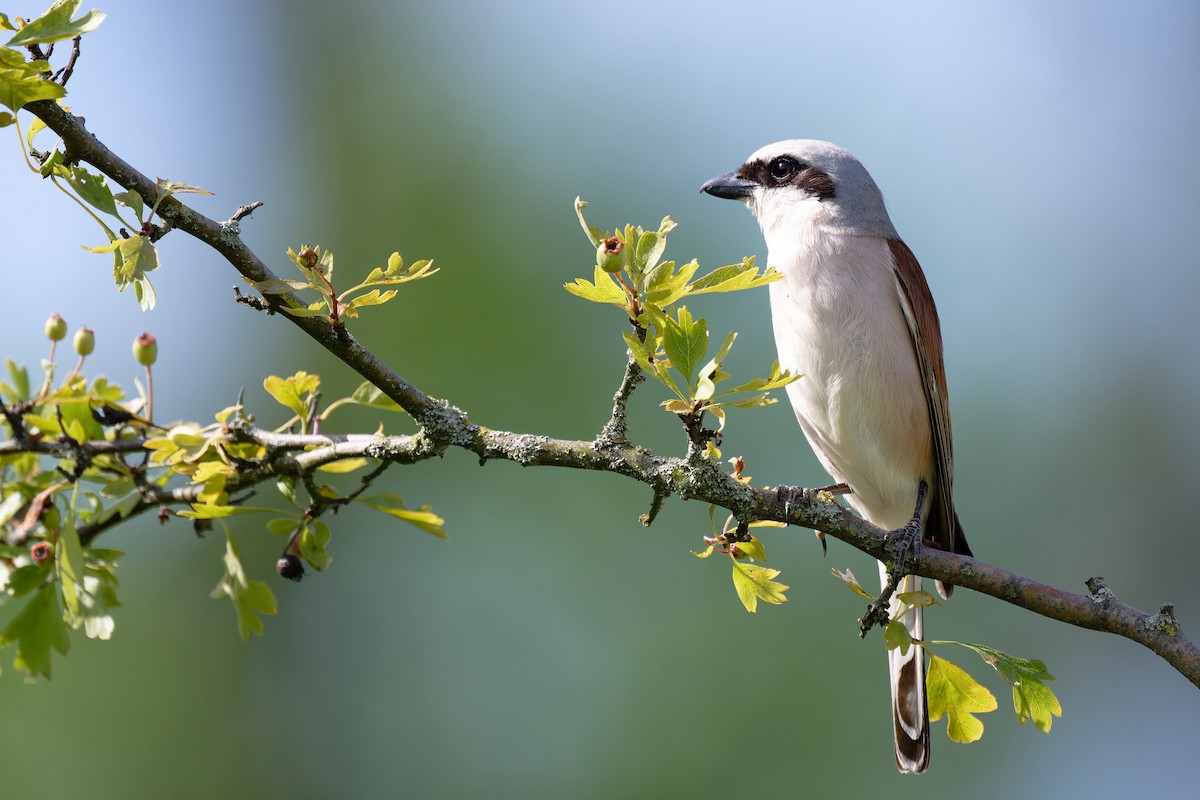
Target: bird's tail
[[910, 713]]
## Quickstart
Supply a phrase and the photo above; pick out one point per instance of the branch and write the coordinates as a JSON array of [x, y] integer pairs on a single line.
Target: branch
[[443, 425]]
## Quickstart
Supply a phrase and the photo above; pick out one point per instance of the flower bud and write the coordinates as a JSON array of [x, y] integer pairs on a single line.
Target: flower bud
[[145, 349], [609, 256], [85, 341], [56, 328]]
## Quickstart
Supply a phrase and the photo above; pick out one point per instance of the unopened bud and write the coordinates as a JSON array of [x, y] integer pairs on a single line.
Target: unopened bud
[[145, 349], [609, 256], [308, 257], [85, 341], [56, 328]]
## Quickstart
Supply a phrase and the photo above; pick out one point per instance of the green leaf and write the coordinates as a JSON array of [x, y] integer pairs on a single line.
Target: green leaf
[[36, 630], [21, 81], [752, 549], [56, 25], [282, 525], [293, 392], [1032, 698], [956, 695], [371, 298], [276, 286], [650, 248], [94, 189], [710, 373], [895, 635], [68, 561], [344, 465], [20, 380], [685, 341], [392, 504], [593, 233], [368, 394], [848, 578], [639, 353], [604, 290], [777, 379], [96, 595], [734, 278], [23, 580], [133, 257], [250, 597], [313, 538], [316, 309], [754, 583], [132, 200], [214, 511], [166, 188]]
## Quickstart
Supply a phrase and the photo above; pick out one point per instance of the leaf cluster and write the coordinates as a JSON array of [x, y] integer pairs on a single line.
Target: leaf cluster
[[316, 265], [80, 459], [951, 691], [666, 340]]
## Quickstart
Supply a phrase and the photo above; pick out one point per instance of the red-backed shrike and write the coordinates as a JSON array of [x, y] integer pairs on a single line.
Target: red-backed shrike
[[854, 317]]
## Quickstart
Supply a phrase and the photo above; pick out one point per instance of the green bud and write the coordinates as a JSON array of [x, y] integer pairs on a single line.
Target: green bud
[[56, 328], [85, 341], [609, 256], [145, 349]]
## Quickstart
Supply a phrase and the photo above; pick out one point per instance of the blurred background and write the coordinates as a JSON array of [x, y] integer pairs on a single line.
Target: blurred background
[[1040, 160]]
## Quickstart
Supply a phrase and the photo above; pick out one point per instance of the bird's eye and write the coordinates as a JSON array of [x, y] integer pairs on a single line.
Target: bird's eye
[[783, 168]]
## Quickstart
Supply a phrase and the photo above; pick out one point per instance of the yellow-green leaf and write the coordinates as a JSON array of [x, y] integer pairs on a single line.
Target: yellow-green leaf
[[848, 578], [895, 635], [56, 25], [1034, 700], [754, 583], [250, 597], [343, 465], [392, 504], [953, 693]]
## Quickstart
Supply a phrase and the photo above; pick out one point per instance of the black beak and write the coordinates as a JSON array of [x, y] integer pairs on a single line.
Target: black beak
[[729, 186]]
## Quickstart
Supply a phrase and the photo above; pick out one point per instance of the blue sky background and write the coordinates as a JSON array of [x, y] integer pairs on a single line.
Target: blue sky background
[[1040, 160]]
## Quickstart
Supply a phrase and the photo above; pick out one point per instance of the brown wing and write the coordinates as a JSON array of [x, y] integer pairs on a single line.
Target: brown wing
[[915, 298]]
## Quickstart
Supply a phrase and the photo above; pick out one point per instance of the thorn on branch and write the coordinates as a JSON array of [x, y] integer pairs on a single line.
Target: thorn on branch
[[1099, 591], [257, 303], [64, 74], [231, 225], [656, 505], [1164, 622]]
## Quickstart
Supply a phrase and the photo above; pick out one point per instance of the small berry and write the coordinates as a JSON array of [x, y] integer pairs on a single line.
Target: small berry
[[85, 341], [290, 567], [56, 328], [40, 552], [145, 349], [609, 256]]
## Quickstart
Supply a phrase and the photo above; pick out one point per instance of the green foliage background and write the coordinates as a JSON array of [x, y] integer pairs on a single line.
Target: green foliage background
[[1038, 160]]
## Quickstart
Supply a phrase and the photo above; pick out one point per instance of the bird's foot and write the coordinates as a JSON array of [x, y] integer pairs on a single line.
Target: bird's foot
[[903, 547], [794, 495]]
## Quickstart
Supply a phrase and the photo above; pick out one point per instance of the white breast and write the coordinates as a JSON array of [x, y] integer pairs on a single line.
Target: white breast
[[838, 322]]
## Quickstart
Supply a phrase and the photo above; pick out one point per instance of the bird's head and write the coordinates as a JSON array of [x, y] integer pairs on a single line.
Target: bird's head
[[801, 182]]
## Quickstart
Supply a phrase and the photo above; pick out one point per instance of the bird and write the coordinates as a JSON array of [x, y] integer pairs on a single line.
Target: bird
[[854, 317]]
